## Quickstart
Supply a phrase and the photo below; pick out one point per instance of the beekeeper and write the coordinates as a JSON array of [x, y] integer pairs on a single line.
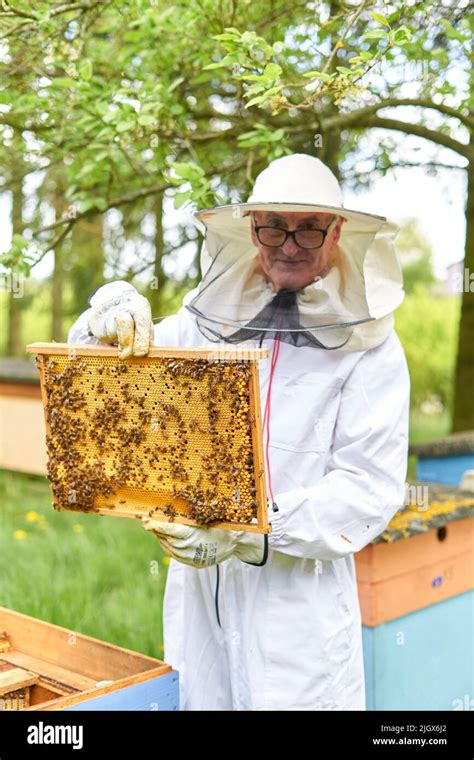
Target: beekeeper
[[257, 622]]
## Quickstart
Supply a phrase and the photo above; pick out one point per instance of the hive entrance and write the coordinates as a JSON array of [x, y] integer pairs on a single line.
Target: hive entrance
[[178, 435]]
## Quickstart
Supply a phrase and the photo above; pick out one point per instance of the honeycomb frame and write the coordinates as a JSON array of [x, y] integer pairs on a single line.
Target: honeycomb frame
[[175, 435]]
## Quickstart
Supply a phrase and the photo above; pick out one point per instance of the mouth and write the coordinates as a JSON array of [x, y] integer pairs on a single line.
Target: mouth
[[290, 263]]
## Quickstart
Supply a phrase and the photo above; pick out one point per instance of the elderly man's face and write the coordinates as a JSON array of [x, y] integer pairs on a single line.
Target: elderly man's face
[[290, 266]]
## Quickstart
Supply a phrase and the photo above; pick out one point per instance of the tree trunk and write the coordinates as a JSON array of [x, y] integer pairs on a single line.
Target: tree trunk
[[84, 262], [463, 414], [57, 285], [15, 313], [329, 153], [155, 293]]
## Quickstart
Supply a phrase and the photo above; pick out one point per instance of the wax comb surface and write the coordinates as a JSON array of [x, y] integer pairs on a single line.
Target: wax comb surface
[[176, 433]]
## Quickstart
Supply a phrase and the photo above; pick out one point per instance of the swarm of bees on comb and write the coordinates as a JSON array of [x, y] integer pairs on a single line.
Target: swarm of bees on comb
[[175, 433]]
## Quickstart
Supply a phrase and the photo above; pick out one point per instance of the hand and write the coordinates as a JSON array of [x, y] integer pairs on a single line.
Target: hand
[[119, 314], [203, 547]]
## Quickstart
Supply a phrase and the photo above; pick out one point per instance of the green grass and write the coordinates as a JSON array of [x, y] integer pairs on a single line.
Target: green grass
[[101, 576], [424, 427]]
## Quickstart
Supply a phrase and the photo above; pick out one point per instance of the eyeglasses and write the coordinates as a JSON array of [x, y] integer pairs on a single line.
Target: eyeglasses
[[275, 237]]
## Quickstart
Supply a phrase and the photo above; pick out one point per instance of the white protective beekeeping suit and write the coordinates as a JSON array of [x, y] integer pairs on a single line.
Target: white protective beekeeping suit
[[287, 634]]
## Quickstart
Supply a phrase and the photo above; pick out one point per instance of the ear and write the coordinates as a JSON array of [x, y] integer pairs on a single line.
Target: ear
[[337, 230]]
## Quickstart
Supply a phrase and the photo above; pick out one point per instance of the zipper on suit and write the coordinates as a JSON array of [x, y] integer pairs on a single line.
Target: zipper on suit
[[217, 596]]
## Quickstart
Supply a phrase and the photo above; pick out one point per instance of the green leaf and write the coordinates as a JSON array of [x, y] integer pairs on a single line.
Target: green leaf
[[110, 116], [63, 82], [402, 34], [228, 60], [344, 70], [255, 101], [92, 203], [18, 241], [226, 36], [266, 93], [125, 126], [175, 84], [145, 119], [381, 19], [181, 198], [451, 32], [272, 70], [318, 75], [188, 171], [85, 69], [374, 34]]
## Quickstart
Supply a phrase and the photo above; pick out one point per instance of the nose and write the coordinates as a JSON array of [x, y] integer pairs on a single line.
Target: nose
[[290, 247]]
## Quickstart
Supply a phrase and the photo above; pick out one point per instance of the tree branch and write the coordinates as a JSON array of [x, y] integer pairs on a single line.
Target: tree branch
[[134, 196], [468, 121], [419, 130], [403, 165]]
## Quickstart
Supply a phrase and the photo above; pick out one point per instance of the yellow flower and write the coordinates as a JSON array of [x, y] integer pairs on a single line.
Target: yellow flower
[[339, 44], [20, 534], [166, 560], [32, 516], [77, 528]]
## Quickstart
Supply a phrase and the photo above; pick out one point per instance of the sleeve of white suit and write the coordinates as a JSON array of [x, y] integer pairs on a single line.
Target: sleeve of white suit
[[79, 331], [364, 484]]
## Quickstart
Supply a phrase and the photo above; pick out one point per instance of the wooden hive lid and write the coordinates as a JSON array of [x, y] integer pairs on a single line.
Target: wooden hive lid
[[450, 445], [14, 679]]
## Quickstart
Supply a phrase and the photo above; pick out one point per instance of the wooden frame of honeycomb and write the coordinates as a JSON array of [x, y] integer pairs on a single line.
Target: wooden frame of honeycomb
[[15, 684], [176, 434]]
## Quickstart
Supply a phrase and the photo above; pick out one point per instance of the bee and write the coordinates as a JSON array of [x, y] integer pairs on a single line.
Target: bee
[[170, 511]]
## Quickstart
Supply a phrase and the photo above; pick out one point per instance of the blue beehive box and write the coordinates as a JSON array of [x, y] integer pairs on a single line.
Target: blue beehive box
[[446, 459], [416, 590]]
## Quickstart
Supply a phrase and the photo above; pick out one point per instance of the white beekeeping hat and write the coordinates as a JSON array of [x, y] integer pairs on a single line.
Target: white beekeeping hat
[[351, 307]]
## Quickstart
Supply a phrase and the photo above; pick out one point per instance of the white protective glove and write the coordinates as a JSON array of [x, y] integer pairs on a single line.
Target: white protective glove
[[119, 314], [203, 547]]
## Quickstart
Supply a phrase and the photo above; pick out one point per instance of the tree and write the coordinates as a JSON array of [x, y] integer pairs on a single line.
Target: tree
[[415, 256], [142, 100]]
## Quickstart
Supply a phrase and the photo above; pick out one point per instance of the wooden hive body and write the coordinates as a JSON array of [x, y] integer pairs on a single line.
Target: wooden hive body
[[15, 684], [176, 434], [47, 667]]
